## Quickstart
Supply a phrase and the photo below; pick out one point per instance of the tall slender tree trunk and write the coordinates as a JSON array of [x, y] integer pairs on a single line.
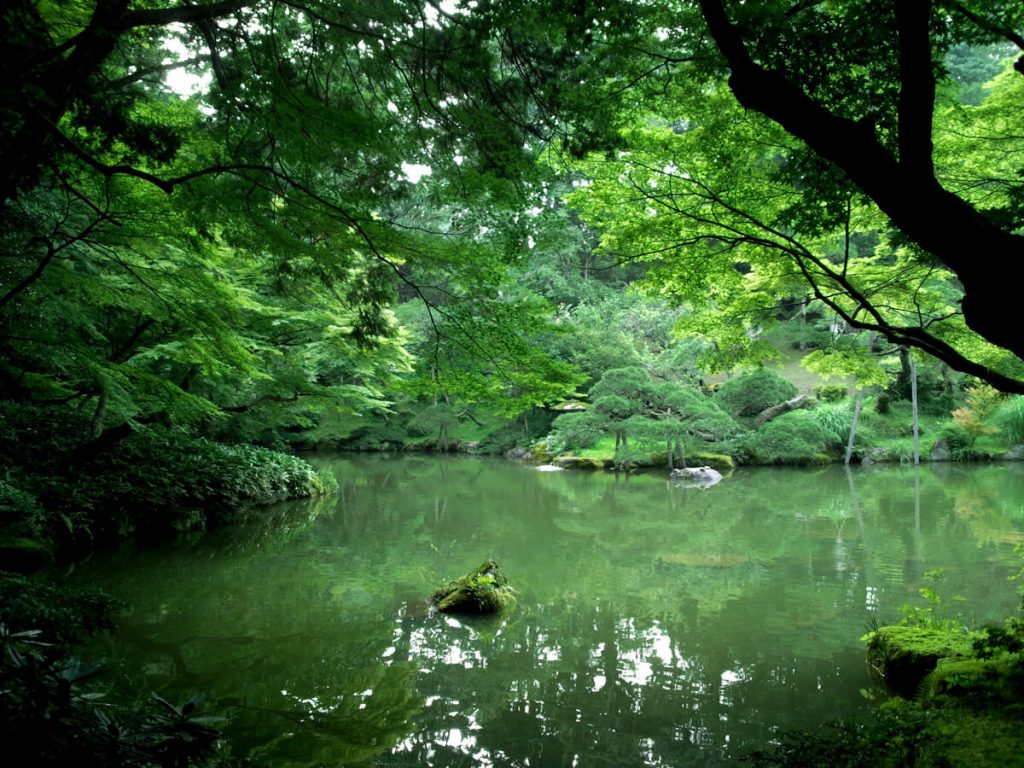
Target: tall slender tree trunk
[[913, 400], [853, 425], [669, 449]]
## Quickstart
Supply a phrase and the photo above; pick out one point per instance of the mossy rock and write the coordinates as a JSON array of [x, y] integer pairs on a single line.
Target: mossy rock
[[904, 656], [720, 461], [539, 453], [966, 677], [483, 590], [578, 462]]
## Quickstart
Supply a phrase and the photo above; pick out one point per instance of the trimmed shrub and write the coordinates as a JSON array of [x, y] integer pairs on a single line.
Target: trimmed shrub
[[751, 393], [581, 429], [793, 438], [830, 393]]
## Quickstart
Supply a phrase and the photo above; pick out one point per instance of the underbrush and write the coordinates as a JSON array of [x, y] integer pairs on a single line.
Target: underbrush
[[61, 487], [964, 705], [58, 709]]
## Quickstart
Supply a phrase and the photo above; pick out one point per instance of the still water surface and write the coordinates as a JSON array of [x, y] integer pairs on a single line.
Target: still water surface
[[656, 625]]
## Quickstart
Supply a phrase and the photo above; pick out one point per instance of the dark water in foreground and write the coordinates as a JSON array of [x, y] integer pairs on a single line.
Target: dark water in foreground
[[655, 625]]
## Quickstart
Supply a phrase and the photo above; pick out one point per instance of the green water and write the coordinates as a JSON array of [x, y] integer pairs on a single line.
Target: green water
[[655, 625]]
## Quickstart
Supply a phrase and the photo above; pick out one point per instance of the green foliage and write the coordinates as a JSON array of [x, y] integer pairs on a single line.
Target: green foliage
[[831, 393], [50, 700], [47, 704], [752, 392], [793, 438], [20, 510], [1010, 419], [974, 417], [65, 616], [160, 479], [835, 418], [581, 429]]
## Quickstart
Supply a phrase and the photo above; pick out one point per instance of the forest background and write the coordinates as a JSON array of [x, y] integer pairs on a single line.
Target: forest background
[[236, 230]]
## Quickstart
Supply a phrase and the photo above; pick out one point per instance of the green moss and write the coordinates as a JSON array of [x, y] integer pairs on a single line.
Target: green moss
[[905, 655], [483, 590], [962, 677], [539, 453], [720, 461]]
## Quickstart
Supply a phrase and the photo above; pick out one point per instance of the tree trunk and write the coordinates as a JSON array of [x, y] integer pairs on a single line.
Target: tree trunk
[[903, 187], [800, 401], [853, 425], [669, 449], [913, 400], [100, 415]]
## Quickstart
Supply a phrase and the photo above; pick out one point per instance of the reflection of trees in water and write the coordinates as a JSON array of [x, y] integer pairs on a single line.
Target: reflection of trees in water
[[651, 619], [566, 684]]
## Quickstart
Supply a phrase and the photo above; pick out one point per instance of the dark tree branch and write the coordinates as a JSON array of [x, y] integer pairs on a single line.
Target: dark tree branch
[[917, 87], [944, 225]]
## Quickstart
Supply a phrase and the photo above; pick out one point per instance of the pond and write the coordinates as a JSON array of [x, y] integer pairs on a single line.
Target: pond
[[655, 625]]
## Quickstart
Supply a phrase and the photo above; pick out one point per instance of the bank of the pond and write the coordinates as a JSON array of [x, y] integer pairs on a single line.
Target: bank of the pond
[[62, 494]]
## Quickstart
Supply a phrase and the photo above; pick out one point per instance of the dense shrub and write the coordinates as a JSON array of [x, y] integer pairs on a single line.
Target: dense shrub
[[163, 479], [835, 419], [793, 438], [830, 393], [20, 510], [66, 616], [1010, 419], [581, 429], [751, 393]]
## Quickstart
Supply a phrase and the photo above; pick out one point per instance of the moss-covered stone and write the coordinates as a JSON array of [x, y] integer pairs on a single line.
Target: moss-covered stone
[[483, 590], [720, 461], [539, 453], [578, 462], [905, 655], [965, 677]]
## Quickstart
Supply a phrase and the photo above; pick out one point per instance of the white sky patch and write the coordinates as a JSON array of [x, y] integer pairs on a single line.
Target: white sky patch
[[530, 242], [392, 108], [459, 159], [416, 171], [183, 83]]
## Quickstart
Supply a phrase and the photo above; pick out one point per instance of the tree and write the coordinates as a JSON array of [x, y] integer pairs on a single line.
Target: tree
[[741, 224], [229, 259], [886, 150]]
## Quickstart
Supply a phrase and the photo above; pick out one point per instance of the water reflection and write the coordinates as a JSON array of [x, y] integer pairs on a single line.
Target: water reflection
[[656, 625]]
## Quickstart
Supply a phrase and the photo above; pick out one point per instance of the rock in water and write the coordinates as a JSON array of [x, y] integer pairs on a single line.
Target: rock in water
[[697, 477], [483, 590]]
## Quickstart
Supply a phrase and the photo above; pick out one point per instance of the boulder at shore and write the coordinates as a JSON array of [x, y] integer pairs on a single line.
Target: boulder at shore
[[696, 477], [483, 590]]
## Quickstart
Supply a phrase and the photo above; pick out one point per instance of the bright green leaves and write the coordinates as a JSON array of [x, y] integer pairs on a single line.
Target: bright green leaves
[[742, 227]]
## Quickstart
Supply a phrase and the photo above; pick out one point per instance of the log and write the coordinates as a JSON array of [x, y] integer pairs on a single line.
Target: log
[[800, 401]]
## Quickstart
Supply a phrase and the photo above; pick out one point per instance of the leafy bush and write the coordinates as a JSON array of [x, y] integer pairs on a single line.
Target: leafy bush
[[49, 701], [66, 616], [1010, 419], [960, 442], [581, 429], [20, 510], [830, 393], [751, 393], [165, 474], [835, 419], [793, 438]]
